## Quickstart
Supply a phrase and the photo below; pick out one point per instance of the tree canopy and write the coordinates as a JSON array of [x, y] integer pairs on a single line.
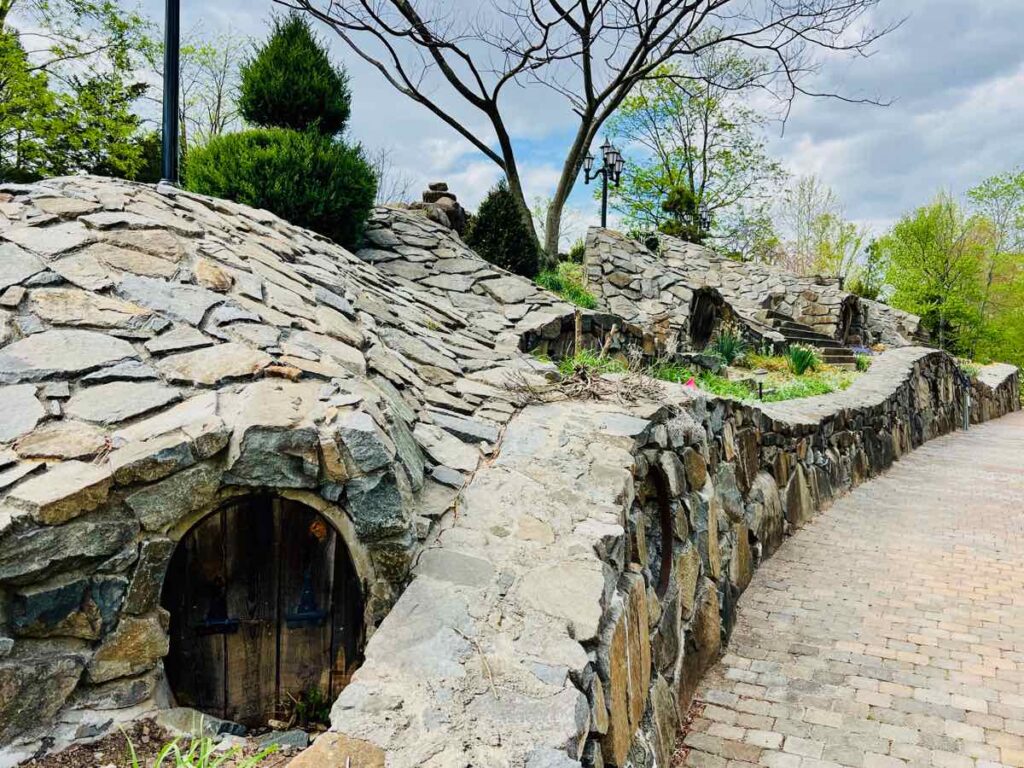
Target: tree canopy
[[592, 55], [702, 150], [291, 82], [69, 87], [934, 256]]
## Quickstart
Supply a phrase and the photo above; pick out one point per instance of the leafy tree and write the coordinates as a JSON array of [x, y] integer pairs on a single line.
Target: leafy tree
[[68, 87], [291, 82], [591, 55], [753, 239], [97, 128], [208, 83], [301, 176], [868, 280], [703, 149], [26, 109], [500, 235], [935, 257], [297, 166], [1000, 200], [76, 35], [837, 245]]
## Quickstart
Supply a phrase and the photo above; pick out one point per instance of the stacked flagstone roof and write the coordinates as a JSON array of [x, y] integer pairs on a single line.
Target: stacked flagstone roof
[[164, 353]]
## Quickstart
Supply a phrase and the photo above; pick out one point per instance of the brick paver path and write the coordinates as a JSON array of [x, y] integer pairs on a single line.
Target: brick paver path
[[889, 631]]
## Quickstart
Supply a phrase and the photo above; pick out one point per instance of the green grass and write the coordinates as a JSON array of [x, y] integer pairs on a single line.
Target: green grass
[[198, 753], [863, 363], [591, 362], [779, 383], [567, 281]]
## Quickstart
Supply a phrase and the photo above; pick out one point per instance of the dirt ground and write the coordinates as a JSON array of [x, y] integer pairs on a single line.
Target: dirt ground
[[148, 739]]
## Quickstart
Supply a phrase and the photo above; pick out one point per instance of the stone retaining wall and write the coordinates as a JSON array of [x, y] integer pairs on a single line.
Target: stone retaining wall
[[566, 613], [656, 290]]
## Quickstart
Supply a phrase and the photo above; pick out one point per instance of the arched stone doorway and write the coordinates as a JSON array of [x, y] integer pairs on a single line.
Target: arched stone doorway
[[266, 608], [706, 314], [849, 315]]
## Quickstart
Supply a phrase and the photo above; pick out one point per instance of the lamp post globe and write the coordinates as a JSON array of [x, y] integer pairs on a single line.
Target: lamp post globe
[[610, 172]]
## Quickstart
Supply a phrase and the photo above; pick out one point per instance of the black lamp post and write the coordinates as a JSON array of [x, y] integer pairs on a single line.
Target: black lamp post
[[704, 220], [610, 171], [172, 46]]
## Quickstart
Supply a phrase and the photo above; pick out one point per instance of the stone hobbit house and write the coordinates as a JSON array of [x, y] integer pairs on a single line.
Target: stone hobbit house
[[237, 461]]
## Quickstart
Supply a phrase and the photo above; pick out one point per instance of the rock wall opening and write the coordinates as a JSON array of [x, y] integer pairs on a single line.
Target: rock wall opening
[[706, 310], [266, 610]]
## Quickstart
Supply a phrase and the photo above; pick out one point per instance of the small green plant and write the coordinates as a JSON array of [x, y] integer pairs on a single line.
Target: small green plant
[[577, 251], [767, 362], [567, 281], [312, 707], [668, 371], [591, 363], [969, 368], [200, 753], [802, 359], [863, 363], [729, 345]]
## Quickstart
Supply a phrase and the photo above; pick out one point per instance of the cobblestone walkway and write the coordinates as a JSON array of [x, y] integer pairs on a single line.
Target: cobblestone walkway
[[889, 631]]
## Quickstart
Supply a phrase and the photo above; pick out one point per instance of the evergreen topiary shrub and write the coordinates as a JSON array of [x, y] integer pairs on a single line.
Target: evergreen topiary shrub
[[304, 177], [500, 234], [290, 82]]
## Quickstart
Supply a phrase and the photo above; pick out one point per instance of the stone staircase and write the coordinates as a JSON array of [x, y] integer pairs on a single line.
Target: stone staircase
[[831, 351]]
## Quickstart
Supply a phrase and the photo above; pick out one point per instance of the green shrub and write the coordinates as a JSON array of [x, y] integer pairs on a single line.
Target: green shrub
[[729, 345], [501, 234], [310, 180], [802, 359], [290, 82], [567, 281], [577, 251], [863, 363]]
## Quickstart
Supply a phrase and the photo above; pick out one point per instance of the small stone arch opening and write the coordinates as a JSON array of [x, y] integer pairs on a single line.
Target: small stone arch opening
[[849, 317], [266, 609], [652, 529], [707, 310]]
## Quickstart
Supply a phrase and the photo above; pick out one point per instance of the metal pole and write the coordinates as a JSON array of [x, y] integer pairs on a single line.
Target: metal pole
[[604, 198], [172, 43]]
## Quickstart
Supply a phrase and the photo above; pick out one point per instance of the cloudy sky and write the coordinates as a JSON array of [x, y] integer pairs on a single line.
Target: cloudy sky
[[954, 72]]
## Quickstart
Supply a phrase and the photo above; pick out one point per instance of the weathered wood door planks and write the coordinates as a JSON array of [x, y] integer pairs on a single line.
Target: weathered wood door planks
[[265, 606]]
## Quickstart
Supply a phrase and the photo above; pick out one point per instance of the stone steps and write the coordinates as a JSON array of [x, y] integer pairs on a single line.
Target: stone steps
[[831, 351]]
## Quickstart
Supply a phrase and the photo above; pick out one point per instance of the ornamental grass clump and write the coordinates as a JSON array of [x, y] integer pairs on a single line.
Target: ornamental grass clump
[[802, 359], [729, 345]]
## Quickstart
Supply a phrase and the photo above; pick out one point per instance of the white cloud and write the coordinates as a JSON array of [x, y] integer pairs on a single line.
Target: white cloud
[[955, 71]]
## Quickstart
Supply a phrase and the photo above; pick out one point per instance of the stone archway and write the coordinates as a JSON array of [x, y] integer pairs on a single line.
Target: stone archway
[[849, 316], [266, 606], [706, 314]]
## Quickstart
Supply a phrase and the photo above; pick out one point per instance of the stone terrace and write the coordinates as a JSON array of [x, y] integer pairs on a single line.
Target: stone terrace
[[890, 631]]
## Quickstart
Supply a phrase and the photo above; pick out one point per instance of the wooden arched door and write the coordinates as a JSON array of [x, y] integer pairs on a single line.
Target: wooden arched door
[[265, 605]]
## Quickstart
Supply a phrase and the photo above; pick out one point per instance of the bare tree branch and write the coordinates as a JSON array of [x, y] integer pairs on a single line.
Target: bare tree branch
[[591, 53]]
